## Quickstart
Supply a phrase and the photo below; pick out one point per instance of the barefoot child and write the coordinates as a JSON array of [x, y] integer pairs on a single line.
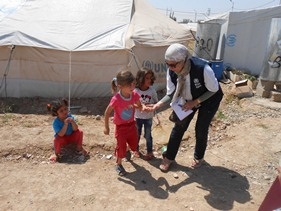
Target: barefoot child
[[123, 103], [144, 81], [65, 128]]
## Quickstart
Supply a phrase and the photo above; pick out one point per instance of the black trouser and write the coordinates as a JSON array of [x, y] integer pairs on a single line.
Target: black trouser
[[206, 112]]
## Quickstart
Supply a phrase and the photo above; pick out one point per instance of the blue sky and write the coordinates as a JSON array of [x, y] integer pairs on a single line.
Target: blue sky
[[191, 9]]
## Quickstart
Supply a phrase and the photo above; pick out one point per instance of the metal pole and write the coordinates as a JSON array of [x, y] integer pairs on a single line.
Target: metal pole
[[196, 15], [232, 2]]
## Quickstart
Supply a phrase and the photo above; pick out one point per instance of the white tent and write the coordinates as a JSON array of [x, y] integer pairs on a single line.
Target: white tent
[[248, 40], [56, 47]]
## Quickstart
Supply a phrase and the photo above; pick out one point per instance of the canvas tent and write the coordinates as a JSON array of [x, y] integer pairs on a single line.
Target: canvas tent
[[59, 47], [248, 39]]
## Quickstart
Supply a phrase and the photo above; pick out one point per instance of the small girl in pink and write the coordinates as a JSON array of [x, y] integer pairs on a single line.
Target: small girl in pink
[[123, 103]]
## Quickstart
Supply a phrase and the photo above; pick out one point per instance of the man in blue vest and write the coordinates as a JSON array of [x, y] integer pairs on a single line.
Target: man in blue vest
[[197, 89]]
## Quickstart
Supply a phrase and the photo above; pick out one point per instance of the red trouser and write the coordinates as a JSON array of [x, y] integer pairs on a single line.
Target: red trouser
[[76, 137], [272, 199], [126, 134]]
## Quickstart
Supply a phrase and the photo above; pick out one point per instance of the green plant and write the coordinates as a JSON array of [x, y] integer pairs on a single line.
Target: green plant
[[249, 77], [262, 126], [6, 117], [244, 75], [220, 115], [230, 98], [237, 72], [6, 108]]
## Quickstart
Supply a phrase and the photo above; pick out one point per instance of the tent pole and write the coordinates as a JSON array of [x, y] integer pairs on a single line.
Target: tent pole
[[69, 84], [69, 80]]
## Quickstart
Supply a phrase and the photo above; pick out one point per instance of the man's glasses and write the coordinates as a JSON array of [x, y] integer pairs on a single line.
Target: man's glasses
[[172, 65]]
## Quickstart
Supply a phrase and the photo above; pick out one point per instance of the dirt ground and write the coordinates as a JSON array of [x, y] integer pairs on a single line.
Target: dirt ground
[[243, 150]]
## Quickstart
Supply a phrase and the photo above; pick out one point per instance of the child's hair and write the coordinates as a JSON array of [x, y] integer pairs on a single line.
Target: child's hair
[[55, 105], [140, 78], [123, 78]]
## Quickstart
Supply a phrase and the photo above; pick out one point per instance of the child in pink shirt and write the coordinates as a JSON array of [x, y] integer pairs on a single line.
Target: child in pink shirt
[[123, 103]]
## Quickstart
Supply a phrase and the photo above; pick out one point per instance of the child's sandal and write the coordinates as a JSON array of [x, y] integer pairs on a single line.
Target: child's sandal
[[137, 154], [120, 170], [148, 156], [54, 158], [196, 163]]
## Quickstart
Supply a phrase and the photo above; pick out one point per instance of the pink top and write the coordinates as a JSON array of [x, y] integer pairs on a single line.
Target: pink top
[[124, 110]]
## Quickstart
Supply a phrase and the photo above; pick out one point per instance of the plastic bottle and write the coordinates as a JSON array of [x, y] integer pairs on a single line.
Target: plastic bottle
[[163, 151]]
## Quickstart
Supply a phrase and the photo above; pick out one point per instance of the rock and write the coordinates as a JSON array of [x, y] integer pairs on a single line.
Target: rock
[[27, 155], [108, 157], [267, 177], [175, 175], [98, 117], [276, 96]]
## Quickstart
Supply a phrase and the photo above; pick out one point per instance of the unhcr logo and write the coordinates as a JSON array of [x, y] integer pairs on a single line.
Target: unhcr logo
[[160, 69], [231, 40]]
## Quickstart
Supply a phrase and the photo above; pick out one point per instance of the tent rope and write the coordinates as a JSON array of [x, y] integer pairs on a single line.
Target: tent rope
[[135, 59], [4, 79]]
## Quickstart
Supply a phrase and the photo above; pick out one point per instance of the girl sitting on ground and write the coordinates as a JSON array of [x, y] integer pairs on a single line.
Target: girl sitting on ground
[[65, 128]]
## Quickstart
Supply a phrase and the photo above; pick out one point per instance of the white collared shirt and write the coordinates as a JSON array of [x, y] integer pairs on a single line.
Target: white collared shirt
[[211, 83]]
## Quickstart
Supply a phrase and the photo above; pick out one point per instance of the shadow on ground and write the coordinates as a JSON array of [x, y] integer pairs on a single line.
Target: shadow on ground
[[225, 186], [142, 180]]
